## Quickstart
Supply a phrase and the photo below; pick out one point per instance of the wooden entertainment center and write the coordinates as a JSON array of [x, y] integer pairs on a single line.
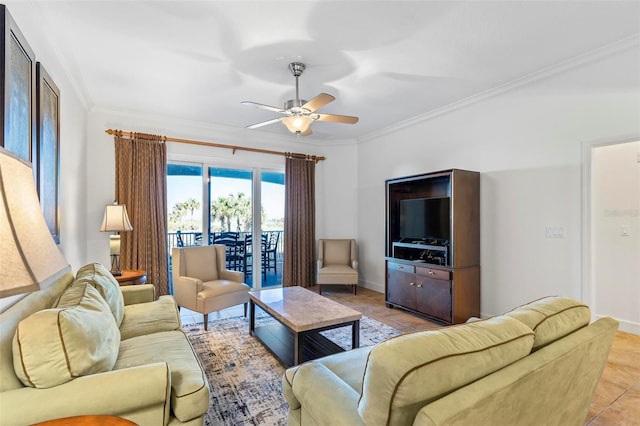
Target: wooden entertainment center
[[436, 276]]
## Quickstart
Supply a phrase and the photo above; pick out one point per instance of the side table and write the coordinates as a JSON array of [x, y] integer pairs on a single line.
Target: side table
[[132, 277], [87, 421]]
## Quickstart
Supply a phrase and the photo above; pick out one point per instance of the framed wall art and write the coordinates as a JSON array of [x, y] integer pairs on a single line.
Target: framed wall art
[[17, 82], [48, 149]]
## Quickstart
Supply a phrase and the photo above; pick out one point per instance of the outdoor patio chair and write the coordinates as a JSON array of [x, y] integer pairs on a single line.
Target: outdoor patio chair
[[247, 258], [233, 248], [270, 251]]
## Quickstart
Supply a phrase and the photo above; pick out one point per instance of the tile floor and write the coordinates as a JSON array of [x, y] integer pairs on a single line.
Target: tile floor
[[617, 398]]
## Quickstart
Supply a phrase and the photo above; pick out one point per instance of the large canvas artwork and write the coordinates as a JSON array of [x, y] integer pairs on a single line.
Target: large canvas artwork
[[17, 82], [48, 149]]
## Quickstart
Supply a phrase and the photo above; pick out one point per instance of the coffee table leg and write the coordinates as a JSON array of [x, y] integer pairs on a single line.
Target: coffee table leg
[[355, 334], [298, 341], [252, 317]]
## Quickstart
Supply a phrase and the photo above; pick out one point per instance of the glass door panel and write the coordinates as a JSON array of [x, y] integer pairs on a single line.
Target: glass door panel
[[272, 220], [230, 217], [184, 205]]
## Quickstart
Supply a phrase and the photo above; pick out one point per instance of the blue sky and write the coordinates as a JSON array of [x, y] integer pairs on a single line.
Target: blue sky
[[181, 188]]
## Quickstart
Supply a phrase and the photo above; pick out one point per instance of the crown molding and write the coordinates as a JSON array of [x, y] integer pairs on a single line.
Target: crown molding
[[627, 43]]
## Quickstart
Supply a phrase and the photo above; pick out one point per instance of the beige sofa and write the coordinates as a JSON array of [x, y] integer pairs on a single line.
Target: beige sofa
[[536, 365], [85, 346]]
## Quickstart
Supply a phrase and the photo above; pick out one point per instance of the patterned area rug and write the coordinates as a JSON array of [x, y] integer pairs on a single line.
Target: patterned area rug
[[245, 379]]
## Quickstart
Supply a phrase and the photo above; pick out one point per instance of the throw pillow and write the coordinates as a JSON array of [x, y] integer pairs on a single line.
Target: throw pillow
[[54, 346], [99, 277]]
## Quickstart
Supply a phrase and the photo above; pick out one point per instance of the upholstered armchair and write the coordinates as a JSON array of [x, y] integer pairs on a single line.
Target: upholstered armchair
[[337, 263], [202, 283]]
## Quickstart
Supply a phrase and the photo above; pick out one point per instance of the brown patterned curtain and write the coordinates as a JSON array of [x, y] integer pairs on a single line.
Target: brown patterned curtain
[[141, 164], [299, 221]]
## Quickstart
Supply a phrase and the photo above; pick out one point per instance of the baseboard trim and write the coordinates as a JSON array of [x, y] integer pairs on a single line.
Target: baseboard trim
[[371, 286], [625, 325]]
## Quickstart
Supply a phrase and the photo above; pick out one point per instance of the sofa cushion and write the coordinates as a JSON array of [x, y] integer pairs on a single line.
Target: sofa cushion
[[150, 317], [54, 346], [406, 372], [189, 386], [348, 366], [100, 278], [337, 274], [552, 318]]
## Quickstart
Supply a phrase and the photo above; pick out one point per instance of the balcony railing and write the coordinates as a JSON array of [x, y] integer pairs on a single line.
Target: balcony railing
[[236, 259]]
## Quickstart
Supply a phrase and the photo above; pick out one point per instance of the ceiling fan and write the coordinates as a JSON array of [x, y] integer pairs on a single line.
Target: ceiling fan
[[299, 113]]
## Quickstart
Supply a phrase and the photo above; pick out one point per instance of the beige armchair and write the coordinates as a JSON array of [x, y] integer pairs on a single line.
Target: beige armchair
[[337, 263], [202, 283]]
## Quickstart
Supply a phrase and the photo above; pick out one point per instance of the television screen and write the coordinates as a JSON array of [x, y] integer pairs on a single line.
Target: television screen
[[425, 218]]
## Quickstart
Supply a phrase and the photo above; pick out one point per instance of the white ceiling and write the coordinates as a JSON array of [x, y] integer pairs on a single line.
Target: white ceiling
[[386, 62]]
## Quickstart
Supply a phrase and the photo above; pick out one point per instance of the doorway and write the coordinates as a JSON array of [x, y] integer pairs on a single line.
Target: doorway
[[612, 226]]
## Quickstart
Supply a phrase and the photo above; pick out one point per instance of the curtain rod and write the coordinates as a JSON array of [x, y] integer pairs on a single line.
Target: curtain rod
[[233, 148]]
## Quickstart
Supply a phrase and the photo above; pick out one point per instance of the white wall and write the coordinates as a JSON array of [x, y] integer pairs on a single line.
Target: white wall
[[615, 218], [526, 143], [335, 177], [73, 113]]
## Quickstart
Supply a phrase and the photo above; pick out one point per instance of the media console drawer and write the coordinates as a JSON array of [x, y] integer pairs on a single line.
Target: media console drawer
[[409, 269], [434, 273]]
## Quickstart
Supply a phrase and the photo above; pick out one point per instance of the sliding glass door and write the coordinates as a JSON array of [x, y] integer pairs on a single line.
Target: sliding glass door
[[221, 207]]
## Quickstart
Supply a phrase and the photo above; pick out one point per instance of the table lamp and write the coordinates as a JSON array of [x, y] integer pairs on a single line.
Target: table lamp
[[29, 259], [115, 220]]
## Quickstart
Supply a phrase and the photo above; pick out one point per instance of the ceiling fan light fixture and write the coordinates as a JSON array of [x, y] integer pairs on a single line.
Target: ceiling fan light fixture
[[297, 123], [299, 112]]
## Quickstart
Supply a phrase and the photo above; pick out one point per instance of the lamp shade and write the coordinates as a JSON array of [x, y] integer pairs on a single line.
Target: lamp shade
[[29, 257], [115, 219]]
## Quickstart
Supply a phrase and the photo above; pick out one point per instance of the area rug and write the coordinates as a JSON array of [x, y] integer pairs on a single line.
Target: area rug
[[245, 378]]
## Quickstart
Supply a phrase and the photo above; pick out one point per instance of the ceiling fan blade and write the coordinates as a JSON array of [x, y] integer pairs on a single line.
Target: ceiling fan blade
[[263, 106], [334, 118], [264, 123], [318, 102]]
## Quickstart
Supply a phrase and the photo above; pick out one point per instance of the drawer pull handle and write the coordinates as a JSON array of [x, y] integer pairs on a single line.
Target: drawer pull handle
[[431, 272], [412, 283], [419, 286], [400, 267]]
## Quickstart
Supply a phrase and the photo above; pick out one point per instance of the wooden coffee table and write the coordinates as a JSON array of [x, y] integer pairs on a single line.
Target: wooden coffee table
[[301, 315]]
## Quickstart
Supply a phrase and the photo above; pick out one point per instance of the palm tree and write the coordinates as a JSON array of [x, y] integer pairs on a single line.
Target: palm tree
[[191, 205], [242, 211], [222, 209], [233, 206]]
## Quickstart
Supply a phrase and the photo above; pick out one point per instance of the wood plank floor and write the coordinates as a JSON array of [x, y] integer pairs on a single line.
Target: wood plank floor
[[617, 398]]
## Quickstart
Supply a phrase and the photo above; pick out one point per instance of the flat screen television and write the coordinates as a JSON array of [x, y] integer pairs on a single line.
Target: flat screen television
[[425, 219]]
